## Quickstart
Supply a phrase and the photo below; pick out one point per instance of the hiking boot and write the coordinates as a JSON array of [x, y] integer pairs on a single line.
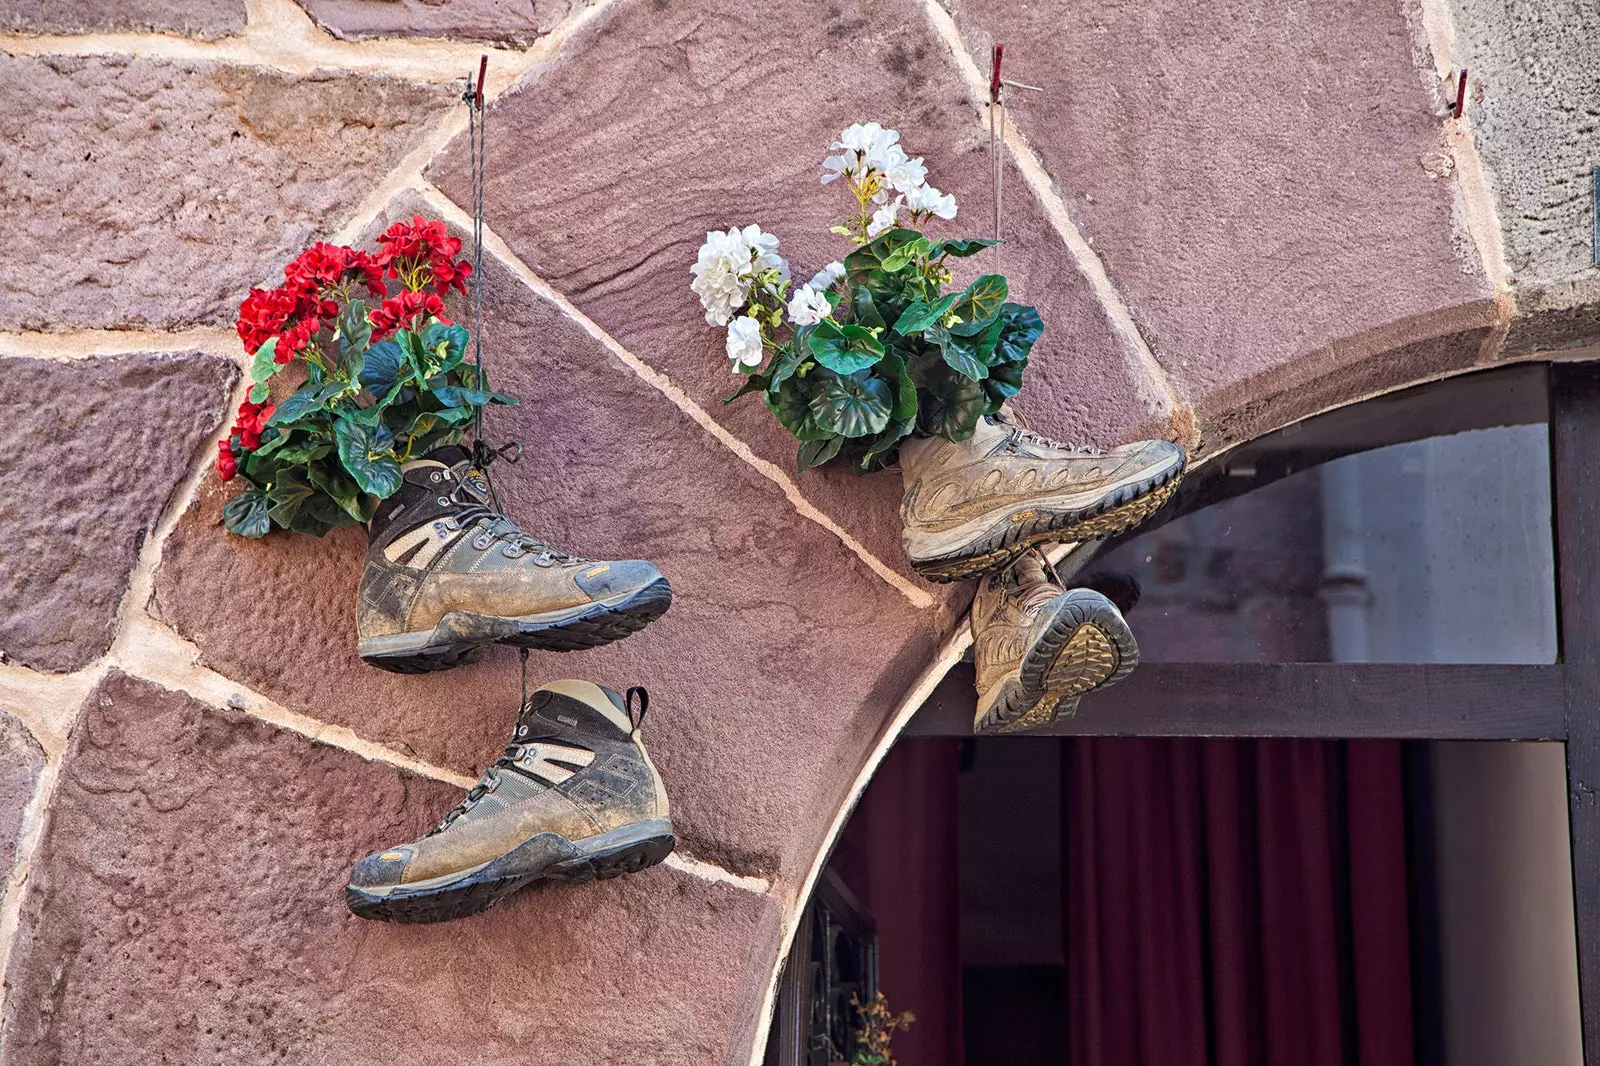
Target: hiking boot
[[447, 575], [573, 798], [1038, 647], [976, 505]]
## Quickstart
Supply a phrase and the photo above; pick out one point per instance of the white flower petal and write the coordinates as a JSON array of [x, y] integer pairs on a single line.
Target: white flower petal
[[744, 343], [807, 306], [827, 276]]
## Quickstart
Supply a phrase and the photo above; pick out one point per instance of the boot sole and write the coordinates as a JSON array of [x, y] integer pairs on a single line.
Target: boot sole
[[622, 851], [1033, 524], [461, 636], [1086, 646]]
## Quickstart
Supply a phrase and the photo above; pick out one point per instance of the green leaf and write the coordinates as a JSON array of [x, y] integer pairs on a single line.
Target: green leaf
[[383, 368], [258, 392], [262, 367], [343, 491], [792, 406], [416, 355], [355, 335], [457, 396], [866, 310], [882, 449], [288, 494], [1003, 382], [949, 404], [893, 370], [306, 400], [816, 452], [844, 349], [978, 304], [448, 343], [853, 405], [246, 514], [891, 290], [960, 353], [308, 453], [985, 341], [752, 383], [902, 256], [921, 314], [961, 247], [1023, 327], [363, 450], [790, 359]]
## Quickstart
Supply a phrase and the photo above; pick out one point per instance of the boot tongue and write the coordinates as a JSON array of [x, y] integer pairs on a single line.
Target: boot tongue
[[1035, 583], [459, 459]]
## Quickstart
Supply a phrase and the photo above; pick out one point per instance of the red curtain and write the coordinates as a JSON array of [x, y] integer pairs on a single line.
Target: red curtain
[[899, 855], [1235, 903]]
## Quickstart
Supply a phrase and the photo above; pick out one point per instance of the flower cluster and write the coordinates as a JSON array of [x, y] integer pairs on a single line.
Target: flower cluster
[[874, 164], [422, 256], [401, 311], [871, 350], [307, 300], [245, 436], [373, 386], [742, 266], [731, 265]]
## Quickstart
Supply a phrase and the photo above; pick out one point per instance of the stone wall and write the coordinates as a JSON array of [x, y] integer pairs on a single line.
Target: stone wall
[[1228, 222]]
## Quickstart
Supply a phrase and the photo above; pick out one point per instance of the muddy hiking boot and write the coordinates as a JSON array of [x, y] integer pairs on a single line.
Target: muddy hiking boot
[[1038, 647], [447, 575], [974, 506], [573, 798]]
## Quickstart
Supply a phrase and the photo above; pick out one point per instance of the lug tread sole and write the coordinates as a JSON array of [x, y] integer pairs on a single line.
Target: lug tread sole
[[1120, 511], [596, 627], [1086, 647], [476, 896]]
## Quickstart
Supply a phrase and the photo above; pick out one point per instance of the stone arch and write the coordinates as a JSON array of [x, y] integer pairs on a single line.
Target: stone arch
[[1222, 239]]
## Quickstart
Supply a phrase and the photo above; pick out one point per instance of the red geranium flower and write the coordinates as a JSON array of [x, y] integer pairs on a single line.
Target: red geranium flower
[[422, 255]]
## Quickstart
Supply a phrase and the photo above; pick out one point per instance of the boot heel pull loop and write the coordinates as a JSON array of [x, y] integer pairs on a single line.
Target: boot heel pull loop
[[644, 704]]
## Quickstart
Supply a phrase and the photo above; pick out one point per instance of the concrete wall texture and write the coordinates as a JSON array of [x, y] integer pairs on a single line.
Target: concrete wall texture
[[1230, 217]]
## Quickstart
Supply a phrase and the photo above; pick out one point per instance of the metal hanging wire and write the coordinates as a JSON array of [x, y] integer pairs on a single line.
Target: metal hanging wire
[[477, 125]]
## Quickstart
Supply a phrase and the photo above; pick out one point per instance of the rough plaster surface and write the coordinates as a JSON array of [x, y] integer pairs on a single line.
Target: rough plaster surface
[[89, 455], [775, 667], [210, 20], [1260, 183], [187, 906], [513, 23], [607, 193], [21, 761], [1535, 113], [157, 193]]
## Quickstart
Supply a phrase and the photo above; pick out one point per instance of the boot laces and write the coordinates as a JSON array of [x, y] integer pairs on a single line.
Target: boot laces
[[492, 526], [1022, 434], [490, 780]]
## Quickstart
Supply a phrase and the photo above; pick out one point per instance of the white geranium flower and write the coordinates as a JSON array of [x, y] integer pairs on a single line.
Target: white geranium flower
[[928, 200], [827, 276], [837, 166], [727, 268], [867, 139], [807, 307], [884, 218], [863, 147], [744, 343], [904, 174], [764, 252]]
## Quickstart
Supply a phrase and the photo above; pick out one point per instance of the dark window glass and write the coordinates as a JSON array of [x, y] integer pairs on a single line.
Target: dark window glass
[[1435, 550]]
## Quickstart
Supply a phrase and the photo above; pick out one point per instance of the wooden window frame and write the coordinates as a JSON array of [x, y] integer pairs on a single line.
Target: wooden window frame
[[1423, 701]]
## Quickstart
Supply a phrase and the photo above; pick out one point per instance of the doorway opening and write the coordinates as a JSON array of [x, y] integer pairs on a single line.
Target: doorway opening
[[1325, 821]]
